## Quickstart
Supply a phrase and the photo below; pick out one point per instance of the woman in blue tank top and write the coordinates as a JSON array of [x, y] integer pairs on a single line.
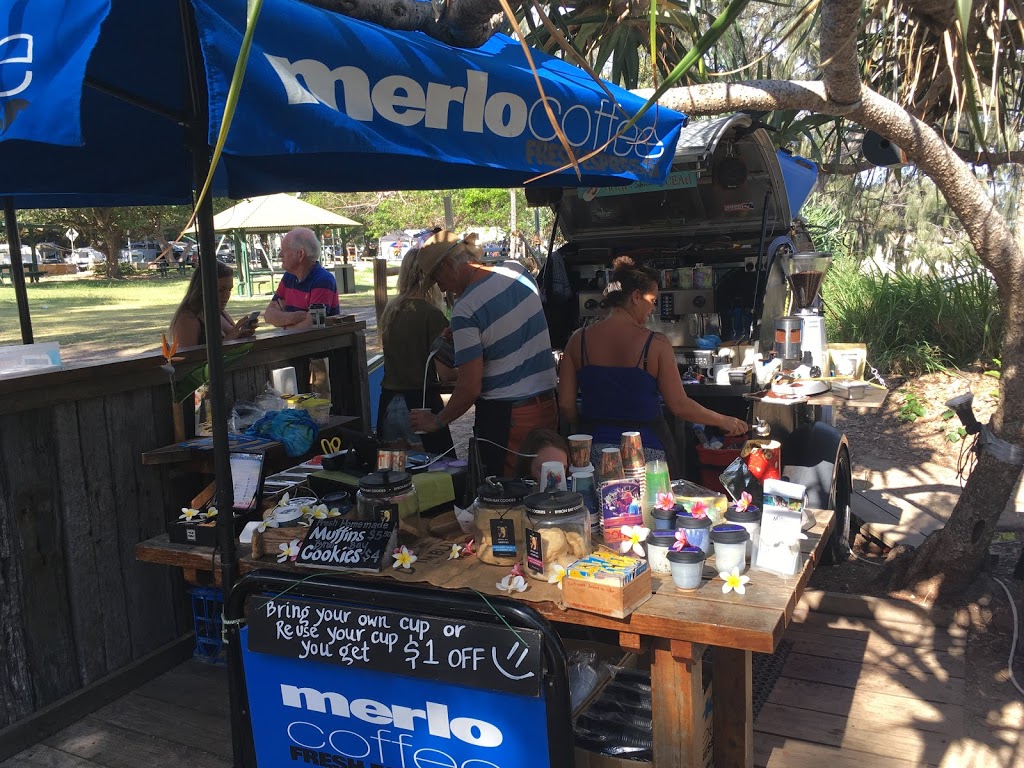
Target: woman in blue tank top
[[623, 371]]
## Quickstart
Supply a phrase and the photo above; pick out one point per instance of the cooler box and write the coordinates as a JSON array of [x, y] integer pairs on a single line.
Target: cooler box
[[712, 461]]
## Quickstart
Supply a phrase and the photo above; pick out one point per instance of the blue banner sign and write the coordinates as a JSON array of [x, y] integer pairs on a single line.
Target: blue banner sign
[[307, 712], [44, 47]]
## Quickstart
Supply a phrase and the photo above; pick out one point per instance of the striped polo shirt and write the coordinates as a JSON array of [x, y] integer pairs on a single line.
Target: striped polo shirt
[[500, 319], [318, 287]]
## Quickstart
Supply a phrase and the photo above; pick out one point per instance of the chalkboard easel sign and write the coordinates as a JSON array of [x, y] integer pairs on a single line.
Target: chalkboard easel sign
[[487, 656], [352, 545]]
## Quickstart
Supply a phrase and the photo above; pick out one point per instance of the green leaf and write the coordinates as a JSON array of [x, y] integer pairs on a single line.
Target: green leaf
[[963, 12], [948, 415], [993, 374], [200, 375]]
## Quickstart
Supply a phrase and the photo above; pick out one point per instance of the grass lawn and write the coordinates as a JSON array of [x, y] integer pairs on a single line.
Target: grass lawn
[[95, 319]]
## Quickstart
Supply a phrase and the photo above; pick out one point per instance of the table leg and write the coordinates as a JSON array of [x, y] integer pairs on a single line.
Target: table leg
[[677, 701], [734, 715]]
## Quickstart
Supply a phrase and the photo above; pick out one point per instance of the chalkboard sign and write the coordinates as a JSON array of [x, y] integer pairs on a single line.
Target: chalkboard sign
[[353, 545], [477, 655]]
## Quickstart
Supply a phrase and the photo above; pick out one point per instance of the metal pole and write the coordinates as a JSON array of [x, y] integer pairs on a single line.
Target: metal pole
[[449, 215], [17, 270]]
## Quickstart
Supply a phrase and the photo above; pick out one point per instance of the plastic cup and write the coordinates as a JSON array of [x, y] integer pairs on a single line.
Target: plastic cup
[[687, 567], [420, 410], [611, 465], [579, 449], [658, 544], [696, 529], [752, 522], [730, 540], [632, 449]]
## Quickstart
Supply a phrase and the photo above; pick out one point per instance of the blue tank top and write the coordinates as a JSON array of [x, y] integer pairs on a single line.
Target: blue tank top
[[617, 399]]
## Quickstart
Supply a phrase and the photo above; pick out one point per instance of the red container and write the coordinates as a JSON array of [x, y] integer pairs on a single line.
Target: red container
[[711, 462]]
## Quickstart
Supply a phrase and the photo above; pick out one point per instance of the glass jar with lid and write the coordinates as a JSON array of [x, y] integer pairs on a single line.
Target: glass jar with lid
[[498, 519], [557, 532], [389, 494]]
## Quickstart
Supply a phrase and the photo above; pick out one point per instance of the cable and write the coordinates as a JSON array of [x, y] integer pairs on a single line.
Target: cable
[[1013, 644], [864, 559], [426, 373], [506, 448]]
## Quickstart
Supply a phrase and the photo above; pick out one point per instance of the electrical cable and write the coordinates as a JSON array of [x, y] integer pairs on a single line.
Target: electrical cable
[[864, 559], [426, 374], [1013, 644]]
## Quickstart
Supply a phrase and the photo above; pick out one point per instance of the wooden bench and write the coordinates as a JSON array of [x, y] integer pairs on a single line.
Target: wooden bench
[[259, 276], [32, 273]]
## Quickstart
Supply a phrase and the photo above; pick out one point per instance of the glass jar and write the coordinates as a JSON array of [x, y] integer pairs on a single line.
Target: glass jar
[[498, 519], [385, 494], [557, 532]]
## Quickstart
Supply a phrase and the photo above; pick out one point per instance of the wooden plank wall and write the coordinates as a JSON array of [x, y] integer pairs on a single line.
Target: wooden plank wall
[[75, 499]]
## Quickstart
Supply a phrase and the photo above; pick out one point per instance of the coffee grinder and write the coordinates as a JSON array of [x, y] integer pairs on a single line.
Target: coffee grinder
[[805, 273]]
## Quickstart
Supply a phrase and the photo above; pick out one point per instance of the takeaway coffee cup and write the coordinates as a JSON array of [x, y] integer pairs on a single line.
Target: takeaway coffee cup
[[426, 411], [552, 476], [579, 449]]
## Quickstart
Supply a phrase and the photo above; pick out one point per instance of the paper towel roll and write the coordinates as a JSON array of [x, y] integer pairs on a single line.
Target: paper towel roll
[[284, 381]]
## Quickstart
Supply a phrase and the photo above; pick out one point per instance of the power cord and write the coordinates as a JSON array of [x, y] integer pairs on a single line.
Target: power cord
[[466, 444], [1013, 644]]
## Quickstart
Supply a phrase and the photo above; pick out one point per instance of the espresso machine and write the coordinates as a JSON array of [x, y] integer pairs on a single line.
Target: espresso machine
[[800, 336]]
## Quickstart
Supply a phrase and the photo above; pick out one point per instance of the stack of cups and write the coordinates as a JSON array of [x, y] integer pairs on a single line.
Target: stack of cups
[[633, 465], [584, 483], [657, 482], [610, 469]]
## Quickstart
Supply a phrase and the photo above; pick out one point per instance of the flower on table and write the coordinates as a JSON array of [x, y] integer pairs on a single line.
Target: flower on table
[[289, 551], [211, 512], [512, 584], [269, 522], [746, 501], [734, 582], [632, 538], [699, 509], [468, 549], [319, 512], [681, 540], [455, 552], [665, 501], [516, 570], [308, 511], [404, 557], [557, 574], [188, 514]]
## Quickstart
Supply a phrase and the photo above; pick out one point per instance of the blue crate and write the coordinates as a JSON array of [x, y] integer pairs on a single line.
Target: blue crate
[[207, 605]]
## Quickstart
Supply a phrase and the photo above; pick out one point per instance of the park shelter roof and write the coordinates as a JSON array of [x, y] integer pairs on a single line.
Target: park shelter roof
[[277, 213]]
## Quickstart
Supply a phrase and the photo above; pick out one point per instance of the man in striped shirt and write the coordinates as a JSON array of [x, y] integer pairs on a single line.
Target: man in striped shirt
[[305, 282], [502, 350]]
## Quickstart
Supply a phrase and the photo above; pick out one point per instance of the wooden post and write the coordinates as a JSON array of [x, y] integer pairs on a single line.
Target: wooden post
[[677, 701], [734, 714], [380, 280]]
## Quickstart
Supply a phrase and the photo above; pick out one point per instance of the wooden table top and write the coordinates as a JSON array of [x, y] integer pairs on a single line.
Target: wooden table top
[[754, 621]]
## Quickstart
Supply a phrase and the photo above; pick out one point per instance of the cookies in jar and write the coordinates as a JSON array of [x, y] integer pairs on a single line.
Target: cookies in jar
[[557, 532], [498, 519]]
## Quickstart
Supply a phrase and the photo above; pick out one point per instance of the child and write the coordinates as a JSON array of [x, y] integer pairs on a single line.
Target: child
[[546, 445]]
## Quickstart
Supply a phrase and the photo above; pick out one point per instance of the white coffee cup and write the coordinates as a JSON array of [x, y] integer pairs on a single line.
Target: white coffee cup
[[552, 476]]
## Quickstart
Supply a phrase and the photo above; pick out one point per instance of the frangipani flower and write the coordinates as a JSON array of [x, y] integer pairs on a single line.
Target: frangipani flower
[[745, 502], [681, 540], [188, 514], [468, 549], [734, 582], [308, 511], [456, 551], [269, 522], [512, 584], [404, 557], [319, 512], [334, 512], [698, 509], [516, 570], [211, 512], [557, 574], [289, 551], [665, 501], [632, 535]]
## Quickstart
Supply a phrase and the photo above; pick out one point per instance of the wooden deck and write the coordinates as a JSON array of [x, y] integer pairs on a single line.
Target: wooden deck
[[854, 693]]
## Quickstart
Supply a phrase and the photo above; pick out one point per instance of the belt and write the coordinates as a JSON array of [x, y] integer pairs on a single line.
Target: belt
[[543, 397]]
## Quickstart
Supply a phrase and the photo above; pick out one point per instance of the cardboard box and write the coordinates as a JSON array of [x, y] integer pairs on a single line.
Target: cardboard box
[[181, 532], [607, 599]]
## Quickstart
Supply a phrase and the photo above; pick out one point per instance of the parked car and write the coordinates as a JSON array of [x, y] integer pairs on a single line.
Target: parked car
[[141, 251], [85, 258]]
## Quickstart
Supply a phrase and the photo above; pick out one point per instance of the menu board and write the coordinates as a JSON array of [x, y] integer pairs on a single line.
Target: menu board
[[355, 545], [467, 653]]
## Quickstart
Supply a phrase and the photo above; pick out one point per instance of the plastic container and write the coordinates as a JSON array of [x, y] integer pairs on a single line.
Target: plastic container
[[557, 531], [730, 540], [29, 359], [207, 607], [687, 567], [751, 520], [698, 530], [711, 462], [498, 520], [390, 492], [319, 410], [665, 519], [658, 544]]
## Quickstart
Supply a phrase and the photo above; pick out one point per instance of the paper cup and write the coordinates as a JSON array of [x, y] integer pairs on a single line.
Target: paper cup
[[579, 449], [552, 476], [611, 465], [420, 410], [632, 449]]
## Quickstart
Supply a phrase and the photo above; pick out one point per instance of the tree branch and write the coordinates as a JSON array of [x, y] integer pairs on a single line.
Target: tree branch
[[465, 23], [840, 25]]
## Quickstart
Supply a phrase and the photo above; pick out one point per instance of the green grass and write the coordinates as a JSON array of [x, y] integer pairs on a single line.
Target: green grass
[[95, 319]]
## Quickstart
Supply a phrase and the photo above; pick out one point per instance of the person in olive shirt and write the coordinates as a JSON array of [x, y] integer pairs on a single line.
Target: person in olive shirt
[[409, 326]]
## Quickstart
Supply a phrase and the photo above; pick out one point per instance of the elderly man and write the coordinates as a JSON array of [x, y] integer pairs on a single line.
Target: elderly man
[[305, 282], [502, 350]]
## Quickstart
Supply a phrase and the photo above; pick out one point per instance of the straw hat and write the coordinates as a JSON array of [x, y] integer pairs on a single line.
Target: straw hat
[[430, 255]]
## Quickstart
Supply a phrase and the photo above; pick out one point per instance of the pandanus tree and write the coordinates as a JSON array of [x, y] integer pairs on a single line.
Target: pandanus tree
[[939, 79]]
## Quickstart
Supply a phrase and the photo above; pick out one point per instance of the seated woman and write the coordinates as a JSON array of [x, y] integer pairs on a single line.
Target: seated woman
[[188, 325], [620, 367], [539, 446], [409, 325]]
